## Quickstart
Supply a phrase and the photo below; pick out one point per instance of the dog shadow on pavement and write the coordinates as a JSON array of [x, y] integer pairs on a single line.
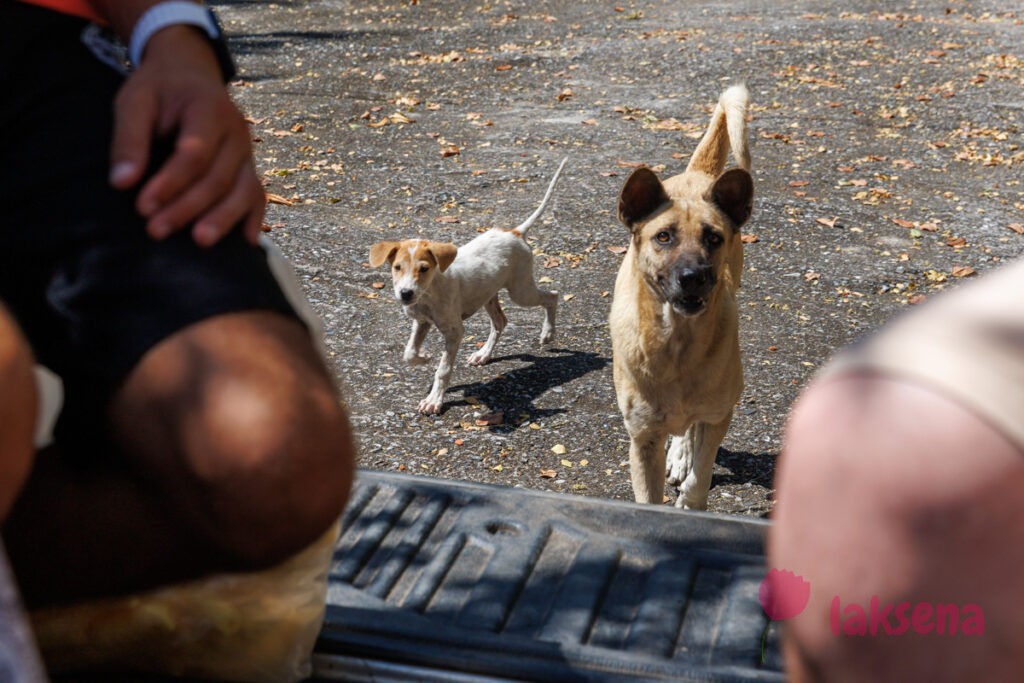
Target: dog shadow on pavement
[[743, 467], [510, 396]]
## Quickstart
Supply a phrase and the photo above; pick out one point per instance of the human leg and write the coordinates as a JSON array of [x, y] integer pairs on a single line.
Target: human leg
[[163, 347], [889, 489], [232, 453]]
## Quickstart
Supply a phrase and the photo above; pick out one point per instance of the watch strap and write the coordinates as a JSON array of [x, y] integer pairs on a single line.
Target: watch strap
[[177, 12]]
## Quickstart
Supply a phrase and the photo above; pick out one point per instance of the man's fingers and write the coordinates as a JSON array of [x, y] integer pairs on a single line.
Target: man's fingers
[[196, 146], [135, 112], [201, 195], [243, 205]]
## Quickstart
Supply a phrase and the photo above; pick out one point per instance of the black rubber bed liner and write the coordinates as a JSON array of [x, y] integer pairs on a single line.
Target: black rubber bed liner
[[447, 581]]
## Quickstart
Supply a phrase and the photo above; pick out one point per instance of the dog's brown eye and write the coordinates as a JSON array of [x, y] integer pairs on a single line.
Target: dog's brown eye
[[398, 268], [712, 239], [663, 237], [424, 269]]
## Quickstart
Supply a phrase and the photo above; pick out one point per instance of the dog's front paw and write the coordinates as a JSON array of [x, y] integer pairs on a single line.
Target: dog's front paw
[[676, 470], [691, 502], [416, 359], [430, 405], [679, 460], [675, 475], [481, 357]]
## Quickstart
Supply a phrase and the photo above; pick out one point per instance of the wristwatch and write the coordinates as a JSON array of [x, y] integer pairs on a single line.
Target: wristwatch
[[166, 14]]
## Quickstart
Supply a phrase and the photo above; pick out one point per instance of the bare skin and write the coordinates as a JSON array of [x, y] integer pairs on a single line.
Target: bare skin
[[886, 488], [232, 455], [210, 181]]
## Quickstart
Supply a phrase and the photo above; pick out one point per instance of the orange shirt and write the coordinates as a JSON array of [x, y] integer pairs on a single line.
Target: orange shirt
[[77, 8]]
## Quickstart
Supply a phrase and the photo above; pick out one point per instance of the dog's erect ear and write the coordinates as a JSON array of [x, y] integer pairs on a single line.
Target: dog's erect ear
[[733, 194], [383, 251], [641, 197], [445, 253]]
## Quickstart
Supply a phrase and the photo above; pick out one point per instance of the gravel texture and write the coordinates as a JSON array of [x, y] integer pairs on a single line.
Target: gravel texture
[[887, 155]]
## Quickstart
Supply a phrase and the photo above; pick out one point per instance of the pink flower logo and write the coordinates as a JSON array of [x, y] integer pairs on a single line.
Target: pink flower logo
[[783, 594]]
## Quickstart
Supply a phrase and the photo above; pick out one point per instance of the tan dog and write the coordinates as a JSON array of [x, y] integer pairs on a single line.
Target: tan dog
[[441, 285], [674, 321]]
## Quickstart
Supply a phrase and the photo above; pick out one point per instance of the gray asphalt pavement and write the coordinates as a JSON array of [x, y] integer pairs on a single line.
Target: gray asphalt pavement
[[887, 154]]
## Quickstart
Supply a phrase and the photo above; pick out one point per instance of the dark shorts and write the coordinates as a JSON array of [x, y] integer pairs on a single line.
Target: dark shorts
[[91, 290]]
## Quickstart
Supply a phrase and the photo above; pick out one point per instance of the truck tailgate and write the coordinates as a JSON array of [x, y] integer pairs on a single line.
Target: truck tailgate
[[448, 581]]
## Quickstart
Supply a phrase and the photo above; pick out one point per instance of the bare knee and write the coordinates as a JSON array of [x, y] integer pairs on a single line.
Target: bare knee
[[887, 490], [277, 470], [240, 427]]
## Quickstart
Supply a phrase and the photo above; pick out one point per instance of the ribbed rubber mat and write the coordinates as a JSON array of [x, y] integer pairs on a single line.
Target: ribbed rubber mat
[[436, 577]]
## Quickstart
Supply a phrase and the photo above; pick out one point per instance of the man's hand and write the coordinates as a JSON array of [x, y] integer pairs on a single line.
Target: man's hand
[[209, 181]]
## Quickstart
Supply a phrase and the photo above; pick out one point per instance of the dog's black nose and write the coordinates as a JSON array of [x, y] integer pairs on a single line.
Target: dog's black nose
[[693, 278], [406, 295]]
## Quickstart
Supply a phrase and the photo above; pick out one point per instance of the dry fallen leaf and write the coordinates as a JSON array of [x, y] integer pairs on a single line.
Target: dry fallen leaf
[[378, 285], [278, 199], [747, 238], [1017, 228], [615, 249], [828, 222], [558, 449], [548, 474], [904, 223], [963, 271]]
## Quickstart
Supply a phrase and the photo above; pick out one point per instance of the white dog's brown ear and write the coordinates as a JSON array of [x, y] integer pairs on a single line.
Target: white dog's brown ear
[[445, 253], [733, 194], [641, 197], [383, 251]]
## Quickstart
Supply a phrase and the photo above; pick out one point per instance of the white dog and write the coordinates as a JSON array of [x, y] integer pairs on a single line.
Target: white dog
[[442, 285]]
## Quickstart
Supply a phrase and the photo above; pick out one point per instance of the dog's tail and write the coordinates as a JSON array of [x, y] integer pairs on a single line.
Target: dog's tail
[[521, 230], [727, 130]]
